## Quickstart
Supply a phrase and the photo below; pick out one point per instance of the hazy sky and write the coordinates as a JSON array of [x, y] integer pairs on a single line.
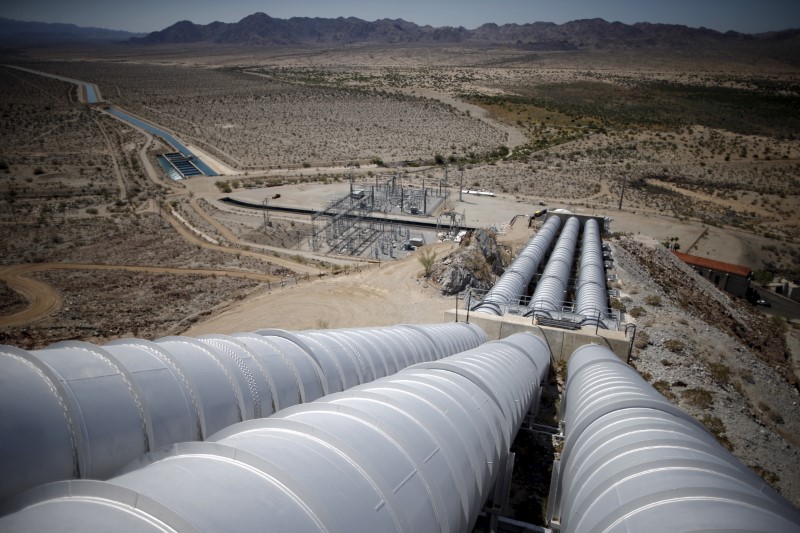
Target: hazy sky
[[748, 16]]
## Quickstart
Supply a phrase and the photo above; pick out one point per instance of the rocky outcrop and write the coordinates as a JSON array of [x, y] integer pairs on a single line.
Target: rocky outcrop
[[476, 264]]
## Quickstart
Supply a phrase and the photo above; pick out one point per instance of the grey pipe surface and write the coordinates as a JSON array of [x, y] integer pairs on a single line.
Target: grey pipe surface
[[416, 451], [514, 282], [76, 410], [551, 290], [632, 461], [591, 294]]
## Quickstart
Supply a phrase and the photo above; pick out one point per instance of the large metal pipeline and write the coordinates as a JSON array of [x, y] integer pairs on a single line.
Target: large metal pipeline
[[515, 280], [632, 461], [551, 290], [77, 410], [591, 294], [416, 451]]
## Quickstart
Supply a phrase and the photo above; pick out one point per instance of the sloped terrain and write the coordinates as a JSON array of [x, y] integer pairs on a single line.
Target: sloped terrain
[[715, 357]]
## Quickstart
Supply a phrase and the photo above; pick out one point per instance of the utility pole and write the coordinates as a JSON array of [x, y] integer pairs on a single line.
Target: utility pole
[[265, 203], [461, 184], [621, 192]]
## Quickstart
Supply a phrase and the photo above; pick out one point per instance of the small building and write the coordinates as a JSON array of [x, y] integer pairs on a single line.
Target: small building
[[728, 277], [786, 288]]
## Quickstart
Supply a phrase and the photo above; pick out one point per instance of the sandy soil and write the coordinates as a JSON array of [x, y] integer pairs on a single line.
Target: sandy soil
[[373, 295]]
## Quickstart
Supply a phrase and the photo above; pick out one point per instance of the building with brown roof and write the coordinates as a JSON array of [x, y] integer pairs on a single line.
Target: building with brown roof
[[728, 277]]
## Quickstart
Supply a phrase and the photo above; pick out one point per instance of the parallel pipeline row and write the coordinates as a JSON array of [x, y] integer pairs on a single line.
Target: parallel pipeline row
[[510, 294], [424, 450], [76, 410]]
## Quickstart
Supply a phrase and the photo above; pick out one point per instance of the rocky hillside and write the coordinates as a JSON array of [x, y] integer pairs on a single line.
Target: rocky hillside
[[717, 358]]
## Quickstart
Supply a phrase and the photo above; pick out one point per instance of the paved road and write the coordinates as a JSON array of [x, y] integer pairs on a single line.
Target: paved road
[[780, 305]]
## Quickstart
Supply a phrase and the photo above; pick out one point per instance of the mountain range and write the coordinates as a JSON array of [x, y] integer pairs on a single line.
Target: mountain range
[[23, 32], [261, 29]]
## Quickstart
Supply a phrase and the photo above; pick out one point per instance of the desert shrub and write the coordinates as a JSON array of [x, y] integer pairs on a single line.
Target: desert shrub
[[642, 340], [427, 259], [674, 345], [780, 323], [223, 186], [617, 304], [653, 299], [92, 211], [664, 387], [717, 428], [636, 312], [700, 398], [719, 372], [772, 414], [762, 277]]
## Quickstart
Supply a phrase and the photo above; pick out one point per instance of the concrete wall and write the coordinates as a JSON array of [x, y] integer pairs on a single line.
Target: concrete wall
[[736, 285], [562, 342]]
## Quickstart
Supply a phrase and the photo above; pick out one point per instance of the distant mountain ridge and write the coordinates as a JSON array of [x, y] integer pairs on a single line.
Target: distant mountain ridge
[[23, 32], [261, 29]]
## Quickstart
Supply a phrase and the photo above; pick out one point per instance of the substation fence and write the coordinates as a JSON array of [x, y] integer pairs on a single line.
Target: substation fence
[[345, 226]]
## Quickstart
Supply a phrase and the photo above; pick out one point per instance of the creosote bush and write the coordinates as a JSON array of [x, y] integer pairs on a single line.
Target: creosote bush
[[717, 428], [674, 345], [700, 398], [653, 299]]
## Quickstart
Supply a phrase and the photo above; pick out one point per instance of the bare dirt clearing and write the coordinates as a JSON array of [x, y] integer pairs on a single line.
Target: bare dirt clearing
[[376, 295]]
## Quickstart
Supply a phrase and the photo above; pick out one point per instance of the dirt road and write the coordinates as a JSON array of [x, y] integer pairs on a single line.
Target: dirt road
[[44, 299], [189, 236]]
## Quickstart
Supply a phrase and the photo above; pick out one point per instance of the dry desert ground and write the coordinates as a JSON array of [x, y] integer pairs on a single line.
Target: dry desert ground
[[96, 243]]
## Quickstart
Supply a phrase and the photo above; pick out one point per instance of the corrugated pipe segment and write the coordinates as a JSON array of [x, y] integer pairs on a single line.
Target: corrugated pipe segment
[[416, 451], [515, 280], [76, 410], [632, 461], [591, 294], [551, 290]]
